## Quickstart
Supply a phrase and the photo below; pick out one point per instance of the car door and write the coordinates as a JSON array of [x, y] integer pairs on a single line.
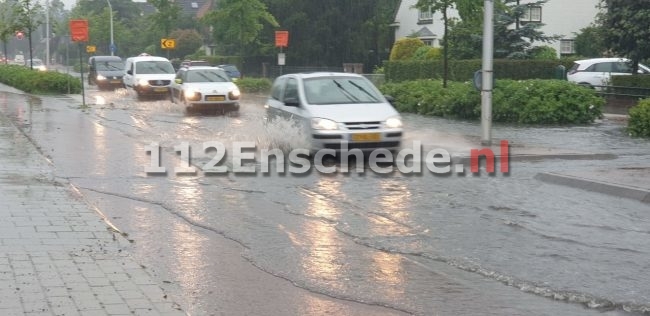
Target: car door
[[128, 74], [601, 73]]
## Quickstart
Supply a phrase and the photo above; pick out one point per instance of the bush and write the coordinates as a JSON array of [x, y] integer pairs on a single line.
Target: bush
[[34, 81], [462, 70], [405, 48], [528, 102], [639, 123], [252, 85]]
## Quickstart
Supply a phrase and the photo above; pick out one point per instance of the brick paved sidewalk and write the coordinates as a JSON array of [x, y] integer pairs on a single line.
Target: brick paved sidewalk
[[57, 255]]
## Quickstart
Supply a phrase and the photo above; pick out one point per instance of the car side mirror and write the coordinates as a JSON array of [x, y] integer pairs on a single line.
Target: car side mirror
[[291, 102], [178, 81], [389, 99], [129, 72]]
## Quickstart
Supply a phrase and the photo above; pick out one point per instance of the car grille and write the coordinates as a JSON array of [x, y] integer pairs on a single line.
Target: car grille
[[362, 125], [364, 145], [154, 83]]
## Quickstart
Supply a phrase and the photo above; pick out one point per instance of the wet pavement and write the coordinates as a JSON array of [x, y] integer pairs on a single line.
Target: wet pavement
[[358, 244]]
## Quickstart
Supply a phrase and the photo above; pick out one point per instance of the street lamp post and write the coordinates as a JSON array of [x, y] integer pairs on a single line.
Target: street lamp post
[[112, 47], [47, 34]]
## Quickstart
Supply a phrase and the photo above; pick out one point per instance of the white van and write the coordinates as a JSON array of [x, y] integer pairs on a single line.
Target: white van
[[148, 75]]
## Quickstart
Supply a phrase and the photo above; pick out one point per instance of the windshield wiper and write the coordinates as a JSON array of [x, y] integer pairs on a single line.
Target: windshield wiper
[[372, 97], [347, 93]]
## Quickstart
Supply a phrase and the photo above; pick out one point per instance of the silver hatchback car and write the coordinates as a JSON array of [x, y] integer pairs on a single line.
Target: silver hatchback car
[[337, 110]]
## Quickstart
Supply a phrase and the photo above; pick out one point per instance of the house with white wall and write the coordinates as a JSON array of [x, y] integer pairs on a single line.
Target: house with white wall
[[564, 18]]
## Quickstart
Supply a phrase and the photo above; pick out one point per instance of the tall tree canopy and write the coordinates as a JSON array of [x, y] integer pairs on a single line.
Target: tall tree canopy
[[628, 34]]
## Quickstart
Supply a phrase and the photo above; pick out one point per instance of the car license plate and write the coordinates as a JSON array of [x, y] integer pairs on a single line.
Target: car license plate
[[366, 137], [116, 81], [160, 89], [215, 98]]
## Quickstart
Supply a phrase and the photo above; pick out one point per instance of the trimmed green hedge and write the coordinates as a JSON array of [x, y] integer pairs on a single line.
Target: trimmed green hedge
[[639, 81], [463, 70], [251, 85], [639, 123], [527, 102], [34, 81]]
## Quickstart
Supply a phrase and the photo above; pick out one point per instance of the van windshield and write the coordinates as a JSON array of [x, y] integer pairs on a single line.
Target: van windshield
[[154, 67], [110, 65]]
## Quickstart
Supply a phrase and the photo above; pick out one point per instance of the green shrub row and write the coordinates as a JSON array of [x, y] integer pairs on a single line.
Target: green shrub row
[[639, 123], [34, 81], [463, 70], [252, 85], [527, 101]]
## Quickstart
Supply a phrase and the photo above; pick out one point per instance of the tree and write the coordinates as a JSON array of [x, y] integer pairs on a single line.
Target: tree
[[514, 42], [166, 15], [187, 42], [627, 33], [239, 22], [405, 48], [440, 6], [29, 16], [7, 24], [589, 42]]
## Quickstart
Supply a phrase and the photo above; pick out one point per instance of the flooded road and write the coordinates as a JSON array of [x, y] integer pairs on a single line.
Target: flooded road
[[352, 244]]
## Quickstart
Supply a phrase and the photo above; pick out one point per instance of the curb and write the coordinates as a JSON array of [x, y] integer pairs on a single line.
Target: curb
[[629, 192]]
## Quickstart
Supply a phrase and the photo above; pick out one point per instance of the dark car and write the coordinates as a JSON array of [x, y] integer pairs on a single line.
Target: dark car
[[232, 71], [190, 63], [106, 72]]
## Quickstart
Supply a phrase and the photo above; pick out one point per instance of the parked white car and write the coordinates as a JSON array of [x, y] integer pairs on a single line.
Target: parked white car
[[598, 71], [204, 87], [336, 109]]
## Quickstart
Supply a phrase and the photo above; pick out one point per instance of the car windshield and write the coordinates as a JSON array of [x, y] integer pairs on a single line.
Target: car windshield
[[110, 65], [207, 75], [340, 90], [154, 67], [229, 68]]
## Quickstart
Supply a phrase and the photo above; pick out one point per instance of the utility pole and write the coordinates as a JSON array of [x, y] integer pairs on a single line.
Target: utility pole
[[47, 34], [488, 73]]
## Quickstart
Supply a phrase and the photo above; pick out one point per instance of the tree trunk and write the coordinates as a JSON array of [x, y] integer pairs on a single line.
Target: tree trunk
[[31, 62], [445, 52]]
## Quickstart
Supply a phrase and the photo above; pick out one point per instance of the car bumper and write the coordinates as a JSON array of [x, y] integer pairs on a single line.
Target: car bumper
[[204, 105], [152, 90], [113, 83], [390, 139]]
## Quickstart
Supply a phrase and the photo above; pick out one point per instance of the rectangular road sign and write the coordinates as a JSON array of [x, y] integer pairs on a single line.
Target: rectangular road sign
[[79, 30], [281, 38], [167, 43]]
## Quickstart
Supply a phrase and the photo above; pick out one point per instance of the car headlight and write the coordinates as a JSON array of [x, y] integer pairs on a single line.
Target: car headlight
[[143, 82], [234, 94], [394, 122], [42, 68], [191, 94], [324, 124], [100, 77]]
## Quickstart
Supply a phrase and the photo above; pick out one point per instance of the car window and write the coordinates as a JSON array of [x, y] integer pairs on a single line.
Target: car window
[[179, 75], [207, 75], [340, 90], [622, 67], [110, 65], [276, 90], [154, 67], [291, 89], [604, 67]]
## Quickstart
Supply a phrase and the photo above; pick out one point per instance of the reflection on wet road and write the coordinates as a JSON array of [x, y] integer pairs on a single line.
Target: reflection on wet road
[[352, 244]]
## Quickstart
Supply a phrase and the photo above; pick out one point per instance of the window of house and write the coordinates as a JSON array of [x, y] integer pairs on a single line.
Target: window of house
[[195, 5], [428, 41], [567, 46], [532, 14], [425, 15]]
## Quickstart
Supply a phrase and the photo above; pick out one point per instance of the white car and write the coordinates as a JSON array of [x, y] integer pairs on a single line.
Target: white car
[[336, 110], [148, 75], [597, 72], [204, 87]]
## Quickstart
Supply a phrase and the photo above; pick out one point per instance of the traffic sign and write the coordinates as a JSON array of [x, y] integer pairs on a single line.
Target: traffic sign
[[167, 43], [79, 30], [20, 35], [91, 49], [113, 48], [281, 38]]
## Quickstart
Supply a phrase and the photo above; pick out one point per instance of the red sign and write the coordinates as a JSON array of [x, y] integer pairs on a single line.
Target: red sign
[[281, 38], [79, 30], [20, 35]]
